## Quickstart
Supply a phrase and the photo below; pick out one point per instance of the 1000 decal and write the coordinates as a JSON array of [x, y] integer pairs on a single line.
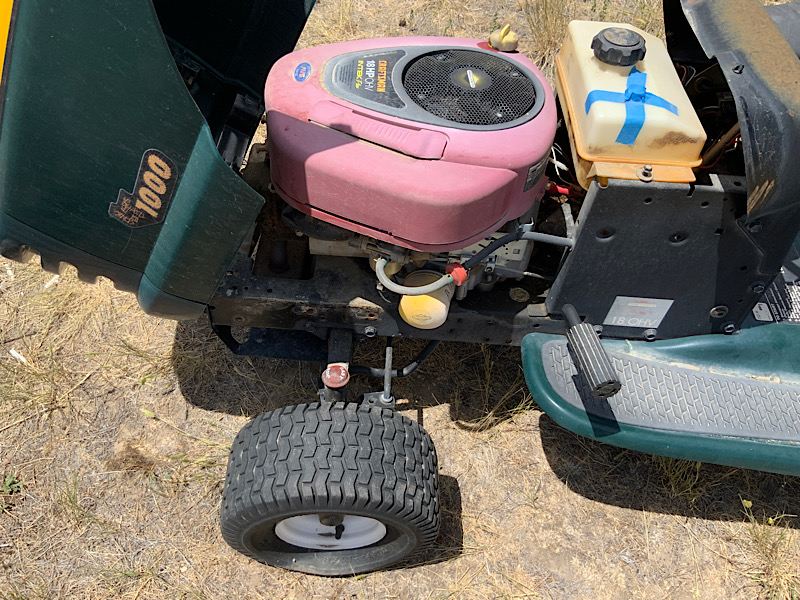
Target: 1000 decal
[[148, 203]]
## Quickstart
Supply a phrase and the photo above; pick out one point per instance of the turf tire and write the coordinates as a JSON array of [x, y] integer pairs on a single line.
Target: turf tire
[[342, 459]]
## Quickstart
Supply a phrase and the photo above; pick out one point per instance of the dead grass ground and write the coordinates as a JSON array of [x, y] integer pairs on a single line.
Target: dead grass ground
[[115, 427]]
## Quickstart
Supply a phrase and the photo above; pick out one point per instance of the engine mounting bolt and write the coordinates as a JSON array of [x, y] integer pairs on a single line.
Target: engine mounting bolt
[[370, 332], [649, 334], [758, 287], [729, 327], [335, 375]]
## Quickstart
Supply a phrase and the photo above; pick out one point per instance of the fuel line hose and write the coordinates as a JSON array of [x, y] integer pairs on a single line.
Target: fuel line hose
[[534, 236]]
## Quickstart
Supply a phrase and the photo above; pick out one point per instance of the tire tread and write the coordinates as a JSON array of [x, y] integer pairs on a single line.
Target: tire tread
[[330, 456]]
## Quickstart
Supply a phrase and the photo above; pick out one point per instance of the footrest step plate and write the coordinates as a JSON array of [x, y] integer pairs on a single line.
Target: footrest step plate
[[719, 413]]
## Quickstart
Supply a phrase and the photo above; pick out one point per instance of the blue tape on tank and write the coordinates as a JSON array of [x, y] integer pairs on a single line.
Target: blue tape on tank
[[634, 98]]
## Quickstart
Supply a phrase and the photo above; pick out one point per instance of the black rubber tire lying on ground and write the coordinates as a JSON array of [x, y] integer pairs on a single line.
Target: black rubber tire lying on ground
[[334, 462]]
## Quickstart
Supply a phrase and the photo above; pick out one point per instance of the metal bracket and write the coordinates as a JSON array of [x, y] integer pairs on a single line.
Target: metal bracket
[[491, 262], [377, 399], [384, 398], [340, 351]]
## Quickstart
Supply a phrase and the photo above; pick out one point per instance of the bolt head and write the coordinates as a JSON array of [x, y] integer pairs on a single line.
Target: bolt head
[[719, 311], [645, 173], [754, 226]]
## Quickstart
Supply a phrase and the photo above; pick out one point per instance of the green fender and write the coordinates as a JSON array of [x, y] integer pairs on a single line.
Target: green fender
[[88, 89], [769, 351]]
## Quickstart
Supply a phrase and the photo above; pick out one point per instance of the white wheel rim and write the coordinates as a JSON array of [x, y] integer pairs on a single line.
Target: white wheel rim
[[306, 531]]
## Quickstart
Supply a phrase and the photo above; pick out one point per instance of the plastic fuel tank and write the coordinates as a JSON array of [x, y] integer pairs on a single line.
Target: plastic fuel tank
[[627, 112]]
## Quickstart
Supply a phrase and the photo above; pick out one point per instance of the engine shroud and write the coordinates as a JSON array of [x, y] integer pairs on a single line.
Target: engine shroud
[[427, 143]]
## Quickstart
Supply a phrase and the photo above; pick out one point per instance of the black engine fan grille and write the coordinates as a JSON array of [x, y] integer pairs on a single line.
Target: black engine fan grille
[[506, 95]]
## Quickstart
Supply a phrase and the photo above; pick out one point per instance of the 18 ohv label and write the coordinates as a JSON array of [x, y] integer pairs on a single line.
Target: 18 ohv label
[[628, 311], [148, 203], [369, 76]]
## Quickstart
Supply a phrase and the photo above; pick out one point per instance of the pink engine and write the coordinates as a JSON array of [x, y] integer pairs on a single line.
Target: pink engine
[[427, 143]]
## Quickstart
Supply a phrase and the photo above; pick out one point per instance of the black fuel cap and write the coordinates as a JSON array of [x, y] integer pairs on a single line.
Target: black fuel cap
[[618, 46]]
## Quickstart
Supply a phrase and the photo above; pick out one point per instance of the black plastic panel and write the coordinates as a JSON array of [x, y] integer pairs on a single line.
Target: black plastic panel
[[680, 247]]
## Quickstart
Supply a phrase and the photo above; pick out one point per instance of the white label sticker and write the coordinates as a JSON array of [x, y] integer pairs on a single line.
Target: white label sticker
[[628, 311], [761, 312], [535, 174]]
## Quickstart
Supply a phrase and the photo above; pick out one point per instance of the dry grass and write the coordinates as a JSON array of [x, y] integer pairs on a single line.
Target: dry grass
[[773, 555], [115, 431], [540, 23], [114, 428]]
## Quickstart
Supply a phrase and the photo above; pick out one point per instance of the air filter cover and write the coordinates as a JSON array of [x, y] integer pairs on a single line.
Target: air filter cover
[[464, 88], [429, 143], [471, 88]]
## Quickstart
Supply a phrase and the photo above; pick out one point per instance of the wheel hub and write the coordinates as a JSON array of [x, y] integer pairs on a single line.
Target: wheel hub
[[322, 532]]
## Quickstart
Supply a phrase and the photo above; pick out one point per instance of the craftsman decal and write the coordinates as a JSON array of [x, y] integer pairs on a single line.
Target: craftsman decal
[[368, 76], [302, 72], [148, 203]]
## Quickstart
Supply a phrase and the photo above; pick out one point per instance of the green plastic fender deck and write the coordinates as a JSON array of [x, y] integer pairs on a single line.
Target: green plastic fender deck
[[770, 351]]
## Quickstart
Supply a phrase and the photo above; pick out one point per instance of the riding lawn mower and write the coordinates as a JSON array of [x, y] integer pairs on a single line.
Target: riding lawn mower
[[635, 231]]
